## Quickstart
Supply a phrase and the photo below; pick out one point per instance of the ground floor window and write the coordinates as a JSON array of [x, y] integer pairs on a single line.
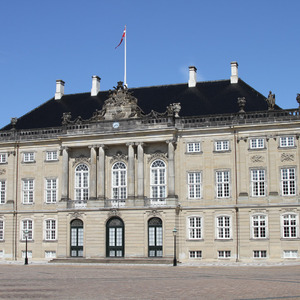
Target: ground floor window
[[115, 238], [259, 253], [50, 254], [29, 254], [195, 254], [290, 253], [224, 253], [155, 238]]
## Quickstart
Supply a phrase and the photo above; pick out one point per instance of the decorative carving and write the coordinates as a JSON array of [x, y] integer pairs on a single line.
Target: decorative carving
[[119, 156], [66, 118], [257, 158], [13, 122], [157, 154], [113, 212], [298, 99], [287, 157], [241, 102], [76, 215], [271, 101], [81, 159], [2, 171], [153, 213], [174, 109], [178, 209]]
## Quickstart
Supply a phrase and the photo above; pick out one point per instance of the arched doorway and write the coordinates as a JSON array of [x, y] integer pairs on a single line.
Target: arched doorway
[[115, 238], [76, 241], [155, 238]]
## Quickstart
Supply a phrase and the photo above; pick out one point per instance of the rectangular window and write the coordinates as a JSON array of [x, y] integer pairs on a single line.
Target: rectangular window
[[287, 141], [29, 254], [259, 226], [51, 190], [258, 183], [223, 184], [224, 254], [27, 227], [288, 181], [50, 230], [195, 254], [222, 146], [193, 147], [259, 254], [257, 143], [50, 254], [223, 227], [27, 191], [195, 228], [194, 185], [289, 224], [2, 191], [3, 158], [51, 155], [1, 230], [28, 157], [290, 254]]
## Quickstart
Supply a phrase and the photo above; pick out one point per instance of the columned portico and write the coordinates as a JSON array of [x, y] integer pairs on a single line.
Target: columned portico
[[93, 173], [131, 171], [101, 172], [140, 170], [65, 174], [171, 169]]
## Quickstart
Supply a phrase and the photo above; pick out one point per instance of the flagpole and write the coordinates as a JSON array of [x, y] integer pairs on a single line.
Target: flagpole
[[125, 81]]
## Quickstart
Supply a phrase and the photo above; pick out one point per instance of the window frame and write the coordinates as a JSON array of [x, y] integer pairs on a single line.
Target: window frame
[[52, 191], [287, 228], [51, 155], [158, 180], [222, 148], [223, 187], [284, 254], [3, 158], [286, 183], [258, 183], [81, 182], [284, 141], [119, 181], [194, 188], [2, 232], [3, 192], [195, 254], [260, 254], [255, 143], [193, 230], [193, 147], [30, 230], [225, 252], [223, 232], [50, 233], [29, 199], [258, 234], [28, 157]]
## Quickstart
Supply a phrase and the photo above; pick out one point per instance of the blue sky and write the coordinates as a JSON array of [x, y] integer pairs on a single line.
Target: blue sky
[[42, 41]]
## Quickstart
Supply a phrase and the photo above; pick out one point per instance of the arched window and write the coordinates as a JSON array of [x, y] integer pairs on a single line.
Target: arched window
[[115, 238], [158, 179], [82, 182], [119, 181]]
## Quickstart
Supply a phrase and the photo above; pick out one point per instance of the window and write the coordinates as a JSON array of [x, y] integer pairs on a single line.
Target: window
[[224, 254], [195, 254], [27, 191], [27, 225], [258, 183], [2, 191], [287, 141], [290, 253], [158, 180], [223, 184], [195, 228], [51, 190], [119, 181], [50, 230], [257, 143], [28, 157], [288, 181], [289, 226], [194, 185], [82, 182], [3, 158], [259, 226], [50, 254], [51, 155], [222, 146], [223, 227], [1, 230], [259, 254], [193, 147]]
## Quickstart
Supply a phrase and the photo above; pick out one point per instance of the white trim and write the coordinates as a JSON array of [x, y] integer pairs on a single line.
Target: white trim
[[224, 227]]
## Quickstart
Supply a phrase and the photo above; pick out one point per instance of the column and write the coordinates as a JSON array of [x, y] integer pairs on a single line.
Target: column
[[93, 173], [65, 174], [140, 170], [131, 179], [101, 172], [171, 169]]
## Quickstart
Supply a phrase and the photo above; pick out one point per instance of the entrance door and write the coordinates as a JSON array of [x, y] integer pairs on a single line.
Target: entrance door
[[76, 238], [155, 241], [115, 238]]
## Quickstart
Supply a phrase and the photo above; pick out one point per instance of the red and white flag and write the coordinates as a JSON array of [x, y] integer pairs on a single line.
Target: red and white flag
[[123, 35]]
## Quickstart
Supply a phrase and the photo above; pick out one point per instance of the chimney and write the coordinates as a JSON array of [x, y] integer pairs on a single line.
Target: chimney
[[234, 78], [95, 85], [192, 76], [60, 89]]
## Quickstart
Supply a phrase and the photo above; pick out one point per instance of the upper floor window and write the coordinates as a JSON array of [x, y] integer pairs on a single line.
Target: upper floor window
[[119, 181], [289, 225], [223, 227], [195, 228], [51, 155], [194, 185], [287, 141], [28, 156], [27, 229], [193, 147], [258, 143], [222, 145], [259, 226], [50, 230], [158, 179], [3, 158], [223, 184], [82, 182], [258, 183], [1, 230], [288, 181], [51, 190], [2, 191], [27, 191]]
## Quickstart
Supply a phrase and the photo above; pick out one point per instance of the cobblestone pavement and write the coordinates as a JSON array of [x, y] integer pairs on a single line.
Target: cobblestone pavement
[[48, 281]]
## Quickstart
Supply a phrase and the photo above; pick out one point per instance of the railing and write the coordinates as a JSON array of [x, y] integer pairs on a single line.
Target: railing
[[77, 204]]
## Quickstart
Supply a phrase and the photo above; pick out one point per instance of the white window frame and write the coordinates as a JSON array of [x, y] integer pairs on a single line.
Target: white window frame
[[290, 254], [289, 226], [259, 226], [195, 254], [288, 181], [50, 254], [82, 182], [224, 254], [3, 158], [286, 141], [51, 188], [194, 185], [2, 191], [224, 230], [50, 230], [195, 227], [158, 180], [28, 157], [259, 254], [257, 143], [119, 181], [29, 227], [1, 230], [27, 191], [29, 253], [258, 182], [193, 147], [222, 146], [223, 186], [52, 155]]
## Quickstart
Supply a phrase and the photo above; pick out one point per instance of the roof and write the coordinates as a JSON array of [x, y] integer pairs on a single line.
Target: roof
[[207, 98]]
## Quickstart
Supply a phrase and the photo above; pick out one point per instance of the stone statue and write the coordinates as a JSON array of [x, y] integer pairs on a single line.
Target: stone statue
[[271, 101], [298, 99]]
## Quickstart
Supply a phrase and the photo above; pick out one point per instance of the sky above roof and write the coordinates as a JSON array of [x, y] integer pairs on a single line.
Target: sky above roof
[[42, 41]]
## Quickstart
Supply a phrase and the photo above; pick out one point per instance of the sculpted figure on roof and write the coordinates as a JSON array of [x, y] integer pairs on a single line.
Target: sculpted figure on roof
[[271, 101]]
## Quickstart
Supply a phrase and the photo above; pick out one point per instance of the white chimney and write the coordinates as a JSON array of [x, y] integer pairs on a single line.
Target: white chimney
[[234, 78], [60, 89], [95, 85], [192, 76]]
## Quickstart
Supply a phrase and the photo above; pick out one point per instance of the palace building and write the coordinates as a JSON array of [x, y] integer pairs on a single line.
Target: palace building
[[114, 174]]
